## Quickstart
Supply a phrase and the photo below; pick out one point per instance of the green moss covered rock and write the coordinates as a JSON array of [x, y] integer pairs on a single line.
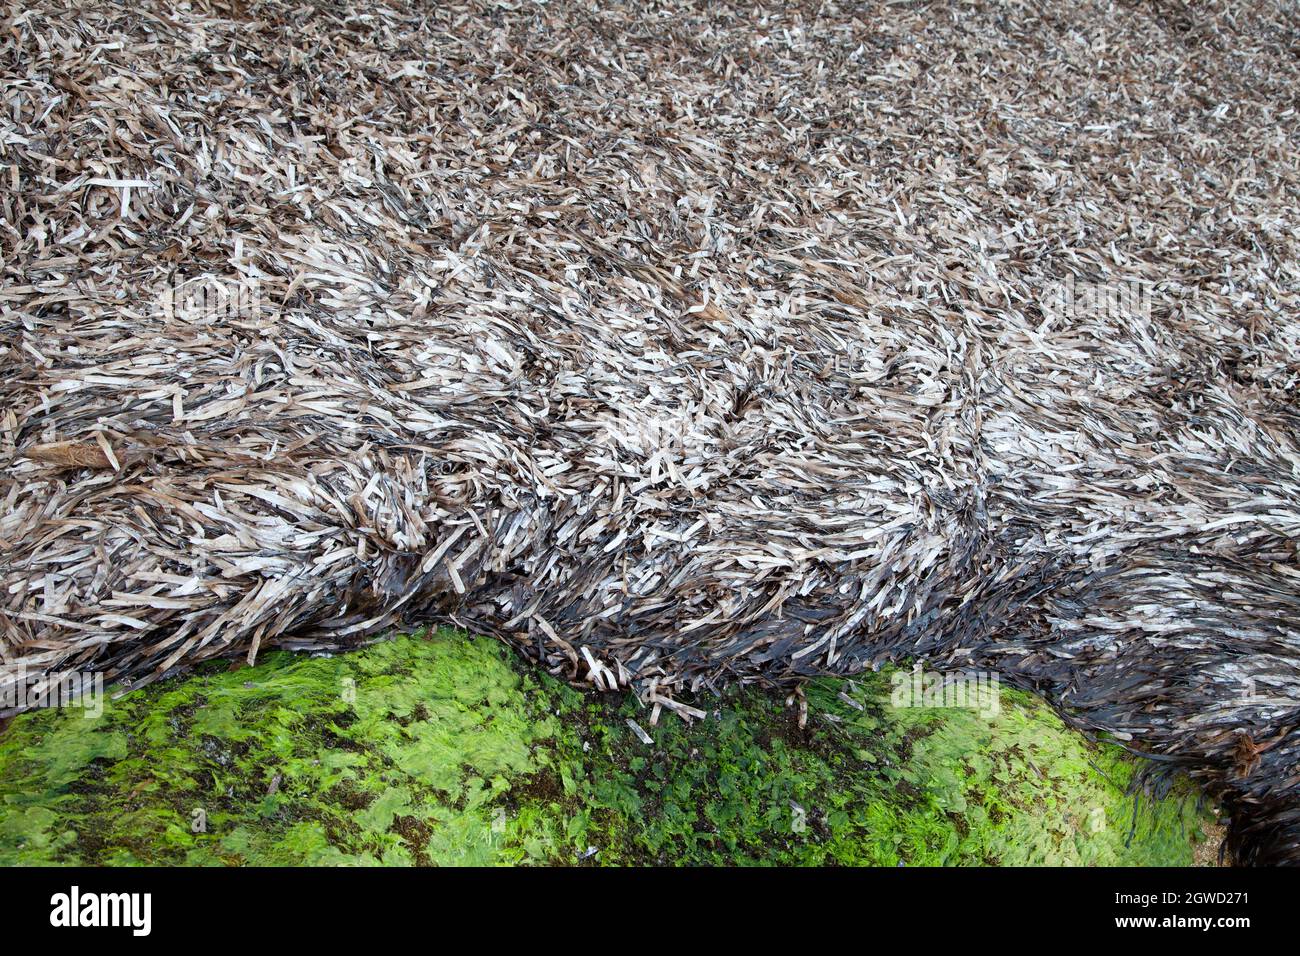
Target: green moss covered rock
[[442, 749]]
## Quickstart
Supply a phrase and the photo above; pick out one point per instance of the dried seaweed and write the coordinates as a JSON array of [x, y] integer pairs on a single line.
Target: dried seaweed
[[675, 344]]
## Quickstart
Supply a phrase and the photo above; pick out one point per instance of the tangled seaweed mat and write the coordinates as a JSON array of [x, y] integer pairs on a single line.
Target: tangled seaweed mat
[[453, 753], [677, 344]]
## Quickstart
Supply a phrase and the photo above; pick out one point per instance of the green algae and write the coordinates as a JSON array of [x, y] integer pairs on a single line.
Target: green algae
[[440, 749]]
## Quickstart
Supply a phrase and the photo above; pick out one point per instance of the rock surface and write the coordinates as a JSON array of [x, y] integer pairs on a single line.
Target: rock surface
[[441, 749]]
